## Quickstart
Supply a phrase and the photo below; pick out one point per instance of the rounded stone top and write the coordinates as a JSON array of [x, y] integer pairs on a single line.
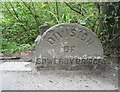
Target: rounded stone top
[[69, 40]]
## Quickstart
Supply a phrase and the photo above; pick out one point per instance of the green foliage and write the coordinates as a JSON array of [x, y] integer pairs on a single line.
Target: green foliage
[[21, 20], [110, 33], [11, 47], [8, 46], [88, 14]]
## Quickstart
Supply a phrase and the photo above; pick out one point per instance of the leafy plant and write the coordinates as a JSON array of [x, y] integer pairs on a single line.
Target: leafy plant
[[21, 20]]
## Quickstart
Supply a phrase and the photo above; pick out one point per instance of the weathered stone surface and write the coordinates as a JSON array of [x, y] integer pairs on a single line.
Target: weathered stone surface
[[67, 45], [59, 80], [15, 66]]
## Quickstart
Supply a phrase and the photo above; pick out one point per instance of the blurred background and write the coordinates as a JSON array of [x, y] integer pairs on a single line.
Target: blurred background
[[21, 22]]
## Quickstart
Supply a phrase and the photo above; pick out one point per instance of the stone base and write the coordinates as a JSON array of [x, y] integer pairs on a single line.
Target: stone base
[[20, 76], [15, 66]]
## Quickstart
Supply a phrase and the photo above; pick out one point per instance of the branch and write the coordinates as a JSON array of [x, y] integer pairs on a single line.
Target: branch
[[33, 6], [73, 8], [115, 37], [10, 12], [57, 9], [28, 7], [14, 11], [16, 15]]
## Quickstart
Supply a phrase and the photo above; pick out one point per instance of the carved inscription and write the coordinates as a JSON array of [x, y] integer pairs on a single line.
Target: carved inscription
[[51, 40], [68, 44], [69, 48], [69, 61], [73, 33]]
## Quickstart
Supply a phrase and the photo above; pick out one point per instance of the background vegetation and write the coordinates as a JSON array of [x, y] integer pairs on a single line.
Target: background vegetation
[[21, 21]]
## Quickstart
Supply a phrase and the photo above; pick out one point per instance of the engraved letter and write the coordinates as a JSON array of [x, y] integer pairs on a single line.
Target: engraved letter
[[66, 48], [84, 36], [72, 48], [73, 32], [51, 40], [57, 35]]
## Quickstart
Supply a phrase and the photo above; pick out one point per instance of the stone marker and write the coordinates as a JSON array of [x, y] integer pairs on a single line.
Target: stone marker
[[64, 46]]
